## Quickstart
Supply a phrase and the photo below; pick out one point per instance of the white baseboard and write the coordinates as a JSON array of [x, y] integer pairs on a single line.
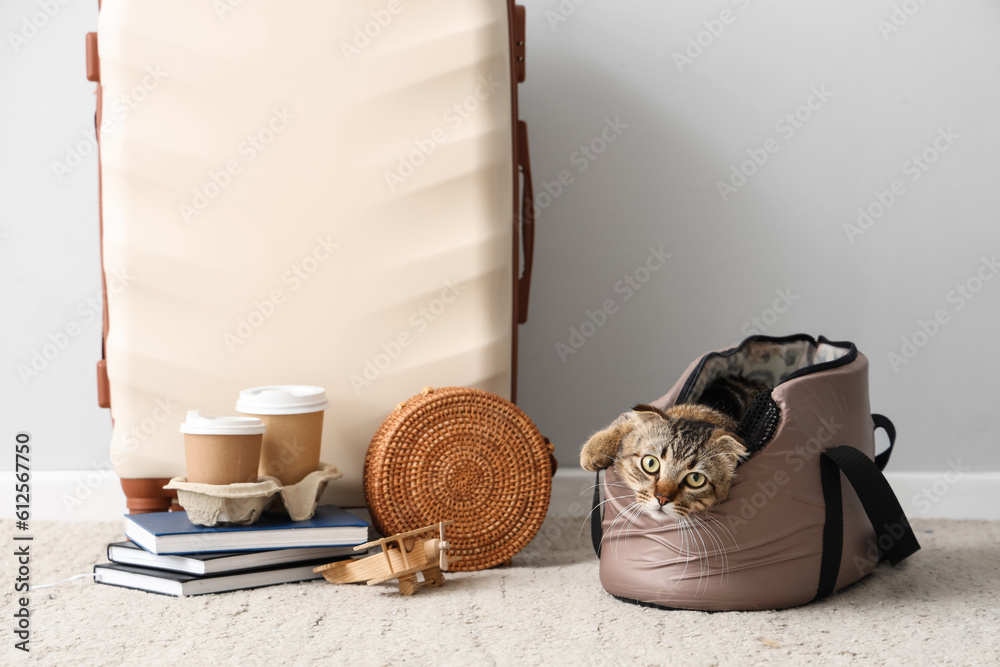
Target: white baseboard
[[70, 495], [924, 495], [67, 495]]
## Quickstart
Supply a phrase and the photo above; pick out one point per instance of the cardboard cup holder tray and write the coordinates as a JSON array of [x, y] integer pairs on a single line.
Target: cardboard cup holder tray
[[242, 504]]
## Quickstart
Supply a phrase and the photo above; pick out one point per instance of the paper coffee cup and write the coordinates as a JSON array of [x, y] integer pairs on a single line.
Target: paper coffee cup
[[221, 450], [294, 418]]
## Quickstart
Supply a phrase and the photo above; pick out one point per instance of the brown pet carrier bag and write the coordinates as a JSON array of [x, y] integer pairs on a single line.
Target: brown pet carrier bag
[[809, 511]]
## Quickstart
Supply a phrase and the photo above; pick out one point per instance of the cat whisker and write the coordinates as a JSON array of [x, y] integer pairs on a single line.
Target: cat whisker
[[628, 516], [593, 509], [711, 457], [703, 556], [681, 548], [629, 521], [725, 528], [686, 552], [618, 518], [604, 484], [632, 522], [680, 530], [606, 500], [690, 537], [589, 516], [717, 545], [731, 537], [723, 552]]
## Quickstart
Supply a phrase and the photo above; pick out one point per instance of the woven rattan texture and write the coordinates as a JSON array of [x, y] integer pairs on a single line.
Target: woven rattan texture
[[466, 455]]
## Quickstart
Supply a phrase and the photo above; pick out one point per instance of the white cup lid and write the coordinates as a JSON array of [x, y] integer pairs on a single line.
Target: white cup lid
[[286, 399], [199, 424]]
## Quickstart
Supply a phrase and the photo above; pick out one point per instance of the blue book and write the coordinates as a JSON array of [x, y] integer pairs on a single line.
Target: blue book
[[171, 533]]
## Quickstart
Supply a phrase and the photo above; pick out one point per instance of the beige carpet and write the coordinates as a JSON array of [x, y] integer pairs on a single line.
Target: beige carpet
[[940, 607]]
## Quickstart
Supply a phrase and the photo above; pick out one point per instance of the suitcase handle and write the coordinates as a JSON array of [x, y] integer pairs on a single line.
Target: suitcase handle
[[518, 47], [527, 222], [93, 59]]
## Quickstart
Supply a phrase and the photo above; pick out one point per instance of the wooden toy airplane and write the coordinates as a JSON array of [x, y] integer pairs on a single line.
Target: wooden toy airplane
[[403, 556]]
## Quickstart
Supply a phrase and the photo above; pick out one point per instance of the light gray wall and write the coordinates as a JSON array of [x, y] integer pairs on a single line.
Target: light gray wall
[[49, 251], [654, 185], [783, 229]]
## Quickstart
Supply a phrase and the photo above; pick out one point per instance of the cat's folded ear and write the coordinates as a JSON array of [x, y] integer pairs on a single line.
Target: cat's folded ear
[[645, 411], [600, 451], [728, 443]]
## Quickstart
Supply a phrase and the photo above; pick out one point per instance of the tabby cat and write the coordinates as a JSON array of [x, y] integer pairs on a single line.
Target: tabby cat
[[681, 460]]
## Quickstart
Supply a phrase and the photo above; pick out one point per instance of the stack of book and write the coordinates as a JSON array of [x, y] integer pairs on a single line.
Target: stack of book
[[168, 554]]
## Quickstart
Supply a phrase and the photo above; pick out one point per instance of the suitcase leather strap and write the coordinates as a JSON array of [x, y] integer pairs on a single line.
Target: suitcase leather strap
[[527, 222], [519, 34]]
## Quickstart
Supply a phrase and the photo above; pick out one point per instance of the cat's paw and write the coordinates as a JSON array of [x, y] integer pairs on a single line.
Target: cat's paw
[[594, 461], [602, 447]]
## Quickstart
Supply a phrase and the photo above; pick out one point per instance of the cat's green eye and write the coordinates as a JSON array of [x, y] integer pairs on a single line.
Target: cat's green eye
[[695, 479], [650, 464]]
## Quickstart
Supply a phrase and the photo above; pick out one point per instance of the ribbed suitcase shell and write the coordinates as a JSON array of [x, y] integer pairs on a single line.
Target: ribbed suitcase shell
[[249, 203]]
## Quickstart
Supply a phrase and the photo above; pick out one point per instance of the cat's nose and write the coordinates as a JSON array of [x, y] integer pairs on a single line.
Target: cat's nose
[[663, 499]]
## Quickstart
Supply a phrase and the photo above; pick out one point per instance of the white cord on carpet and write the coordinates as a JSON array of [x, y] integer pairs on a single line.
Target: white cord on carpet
[[57, 583]]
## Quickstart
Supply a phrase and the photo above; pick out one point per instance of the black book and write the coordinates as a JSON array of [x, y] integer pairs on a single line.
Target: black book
[[128, 553], [179, 584]]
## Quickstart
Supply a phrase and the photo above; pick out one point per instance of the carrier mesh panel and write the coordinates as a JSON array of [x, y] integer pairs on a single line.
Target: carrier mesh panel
[[759, 424]]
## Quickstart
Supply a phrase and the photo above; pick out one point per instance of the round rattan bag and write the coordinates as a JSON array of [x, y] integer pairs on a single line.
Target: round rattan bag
[[466, 455]]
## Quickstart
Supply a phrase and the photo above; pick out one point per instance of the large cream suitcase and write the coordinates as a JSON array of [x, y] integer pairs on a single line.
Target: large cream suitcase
[[303, 192]]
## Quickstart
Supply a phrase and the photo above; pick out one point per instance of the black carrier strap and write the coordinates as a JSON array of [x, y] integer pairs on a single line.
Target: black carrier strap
[[894, 538], [882, 422], [596, 516]]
